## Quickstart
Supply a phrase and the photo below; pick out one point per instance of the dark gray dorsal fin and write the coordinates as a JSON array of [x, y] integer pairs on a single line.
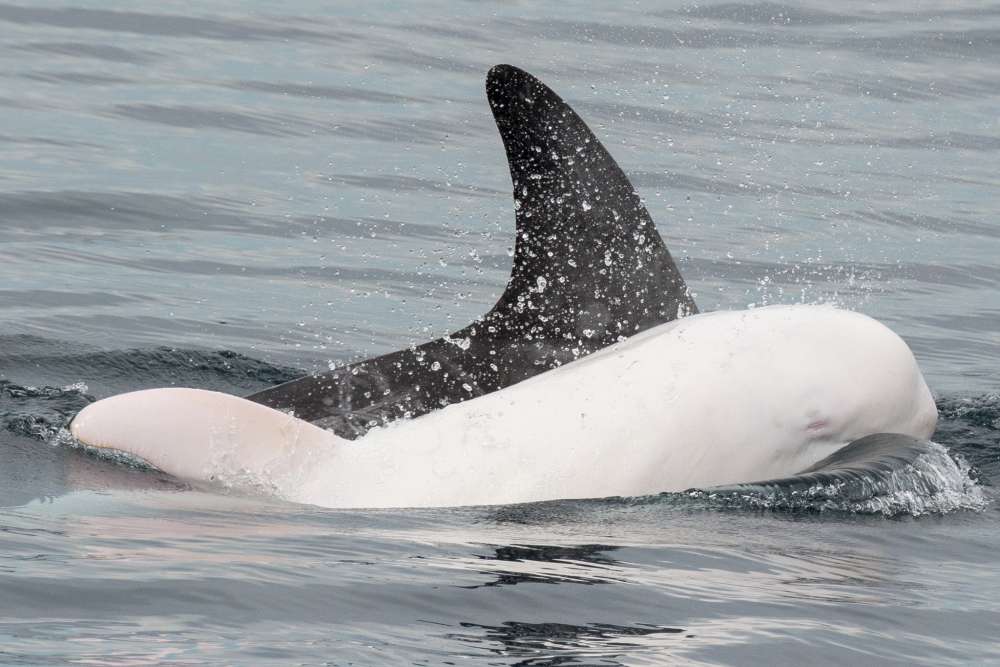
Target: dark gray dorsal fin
[[589, 268], [589, 264]]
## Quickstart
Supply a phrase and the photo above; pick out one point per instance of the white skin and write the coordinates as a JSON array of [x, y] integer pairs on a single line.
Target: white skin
[[711, 399]]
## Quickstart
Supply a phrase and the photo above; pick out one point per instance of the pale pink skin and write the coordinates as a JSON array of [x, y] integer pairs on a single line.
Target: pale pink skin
[[711, 399]]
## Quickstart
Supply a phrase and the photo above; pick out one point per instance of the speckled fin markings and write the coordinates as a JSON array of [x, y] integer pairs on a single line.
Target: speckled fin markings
[[589, 268]]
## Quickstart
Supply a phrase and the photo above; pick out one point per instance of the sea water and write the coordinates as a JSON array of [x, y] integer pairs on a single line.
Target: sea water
[[227, 195]]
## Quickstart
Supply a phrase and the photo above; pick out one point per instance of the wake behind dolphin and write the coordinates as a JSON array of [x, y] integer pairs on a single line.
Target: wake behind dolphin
[[657, 397]]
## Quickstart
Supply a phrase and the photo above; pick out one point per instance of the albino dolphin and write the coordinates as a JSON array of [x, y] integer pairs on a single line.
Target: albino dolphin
[[656, 398], [711, 399]]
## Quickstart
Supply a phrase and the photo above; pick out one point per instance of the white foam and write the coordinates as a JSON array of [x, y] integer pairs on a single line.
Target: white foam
[[934, 483]]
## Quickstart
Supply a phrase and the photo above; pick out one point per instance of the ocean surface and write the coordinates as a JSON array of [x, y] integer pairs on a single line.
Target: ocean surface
[[226, 195]]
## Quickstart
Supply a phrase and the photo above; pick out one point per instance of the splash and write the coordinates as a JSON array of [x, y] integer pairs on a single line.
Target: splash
[[40, 412], [63, 438], [933, 482]]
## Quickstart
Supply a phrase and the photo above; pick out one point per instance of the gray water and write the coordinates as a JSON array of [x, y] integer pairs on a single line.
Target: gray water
[[227, 195]]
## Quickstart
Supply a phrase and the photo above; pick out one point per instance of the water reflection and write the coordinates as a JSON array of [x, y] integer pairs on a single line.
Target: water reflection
[[552, 644], [558, 564]]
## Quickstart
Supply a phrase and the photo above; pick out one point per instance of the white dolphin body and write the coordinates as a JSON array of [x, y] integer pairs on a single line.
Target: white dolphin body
[[717, 398]]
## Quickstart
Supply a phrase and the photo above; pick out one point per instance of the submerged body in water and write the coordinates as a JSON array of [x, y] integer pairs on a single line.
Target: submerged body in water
[[710, 399]]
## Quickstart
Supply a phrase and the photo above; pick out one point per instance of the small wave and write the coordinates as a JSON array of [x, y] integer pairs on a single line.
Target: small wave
[[970, 426], [933, 482], [978, 410], [61, 437], [40, 412]]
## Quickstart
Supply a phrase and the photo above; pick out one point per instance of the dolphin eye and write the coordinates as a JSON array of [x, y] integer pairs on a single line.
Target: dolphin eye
[[818, 425]]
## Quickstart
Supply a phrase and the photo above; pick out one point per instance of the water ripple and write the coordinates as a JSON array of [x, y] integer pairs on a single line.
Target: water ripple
[[161, 25], [106, 52]]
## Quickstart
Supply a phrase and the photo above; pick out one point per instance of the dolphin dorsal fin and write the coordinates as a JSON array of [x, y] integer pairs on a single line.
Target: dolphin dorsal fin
[[589, 263], [589, 268]]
